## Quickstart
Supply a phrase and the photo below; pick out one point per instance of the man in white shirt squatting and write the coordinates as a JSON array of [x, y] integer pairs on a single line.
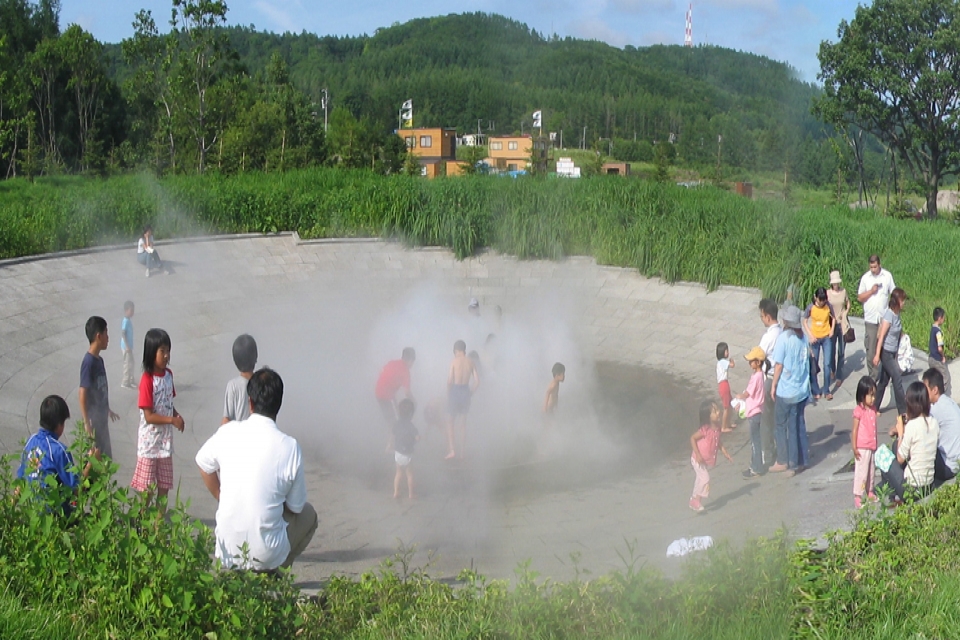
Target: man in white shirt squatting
[[255, 472]]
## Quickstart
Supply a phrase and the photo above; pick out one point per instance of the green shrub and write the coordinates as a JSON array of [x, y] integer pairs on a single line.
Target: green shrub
[[121, 569]]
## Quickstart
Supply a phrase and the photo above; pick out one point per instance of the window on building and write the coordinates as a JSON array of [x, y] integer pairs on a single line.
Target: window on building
[[496, 146], [426, 141], [511, 167], [512, 146], [411, 142]]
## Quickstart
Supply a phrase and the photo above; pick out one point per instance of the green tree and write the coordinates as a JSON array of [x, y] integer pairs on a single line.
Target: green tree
[[894, 72], [149, 88], [45, 65], [83, 57], [196, 23]]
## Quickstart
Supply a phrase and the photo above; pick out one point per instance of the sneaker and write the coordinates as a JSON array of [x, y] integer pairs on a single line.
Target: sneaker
[[856, 502], [750, 473], [777, 468], [148, 272], [695, 505]]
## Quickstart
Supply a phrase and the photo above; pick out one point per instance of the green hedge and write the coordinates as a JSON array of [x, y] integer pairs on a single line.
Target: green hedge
[[705, 235]]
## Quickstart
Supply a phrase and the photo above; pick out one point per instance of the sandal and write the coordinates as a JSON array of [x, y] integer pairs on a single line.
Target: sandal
[[829, 396]]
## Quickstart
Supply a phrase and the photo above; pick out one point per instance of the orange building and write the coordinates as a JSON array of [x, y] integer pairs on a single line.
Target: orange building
[[514, 153], [434, 147]]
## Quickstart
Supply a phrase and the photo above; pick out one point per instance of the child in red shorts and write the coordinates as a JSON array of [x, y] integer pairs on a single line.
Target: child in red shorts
[[157, 419], [724, 362]]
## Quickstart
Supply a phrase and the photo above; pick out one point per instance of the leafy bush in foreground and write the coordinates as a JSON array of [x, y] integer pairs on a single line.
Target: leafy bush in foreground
[[122, 569], [891, 573]]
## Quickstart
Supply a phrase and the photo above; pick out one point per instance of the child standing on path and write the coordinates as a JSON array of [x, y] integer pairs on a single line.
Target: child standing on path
[[863, 439], [724, 364], [94, 394], [937, 359], [126, 345], [236, 403], [157, 419], [405, 436], [754, 401], [462, 383], [705, 443]]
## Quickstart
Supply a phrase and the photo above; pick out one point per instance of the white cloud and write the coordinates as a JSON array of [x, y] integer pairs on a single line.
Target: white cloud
[[280, 18], [641, 6], [768, 6], [597, 29]]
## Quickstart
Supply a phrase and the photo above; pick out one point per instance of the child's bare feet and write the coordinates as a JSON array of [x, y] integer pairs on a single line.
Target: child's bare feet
[[451, 455], [396, 496]]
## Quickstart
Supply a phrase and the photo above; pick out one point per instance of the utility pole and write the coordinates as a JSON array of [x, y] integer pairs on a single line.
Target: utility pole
[[326, 99], [719, 148]]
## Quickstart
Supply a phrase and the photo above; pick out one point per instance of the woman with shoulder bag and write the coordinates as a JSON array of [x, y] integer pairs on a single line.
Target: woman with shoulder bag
[[840, 303], [888, 343]]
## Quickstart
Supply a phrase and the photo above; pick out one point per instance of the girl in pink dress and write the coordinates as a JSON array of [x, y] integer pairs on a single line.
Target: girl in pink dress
[[705, 443], [863, 439]]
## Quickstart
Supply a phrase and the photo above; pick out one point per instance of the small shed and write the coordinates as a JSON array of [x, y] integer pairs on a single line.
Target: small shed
[[615, 168]]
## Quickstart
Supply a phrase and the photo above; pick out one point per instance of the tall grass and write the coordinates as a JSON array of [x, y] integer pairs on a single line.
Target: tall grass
[[704, 235]]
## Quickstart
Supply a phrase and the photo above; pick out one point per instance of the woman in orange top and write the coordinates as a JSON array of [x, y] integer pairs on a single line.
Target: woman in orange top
[[818, 323]]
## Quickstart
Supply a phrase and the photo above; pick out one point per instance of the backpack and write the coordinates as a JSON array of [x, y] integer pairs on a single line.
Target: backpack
[[905, 354]]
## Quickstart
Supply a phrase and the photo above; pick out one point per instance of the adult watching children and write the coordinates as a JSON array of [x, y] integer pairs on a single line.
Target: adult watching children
[[876, 286], [888, 343], [837, 297], [915, 448], [791, 388], [768, 316], [947, 413], [255, 472]]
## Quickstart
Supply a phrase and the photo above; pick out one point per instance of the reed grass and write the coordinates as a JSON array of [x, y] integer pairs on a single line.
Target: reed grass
[[705, 235]]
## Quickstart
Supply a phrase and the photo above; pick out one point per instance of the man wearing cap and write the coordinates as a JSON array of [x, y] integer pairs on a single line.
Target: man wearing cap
[[768, 316], [840, 303], [791, 388], [876, 285]]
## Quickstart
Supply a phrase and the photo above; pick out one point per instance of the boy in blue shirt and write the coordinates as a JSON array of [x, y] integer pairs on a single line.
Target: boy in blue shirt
[[126, 345], [937, 359], [44, 455]]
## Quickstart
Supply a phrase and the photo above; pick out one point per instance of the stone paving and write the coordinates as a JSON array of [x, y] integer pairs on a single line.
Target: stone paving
[[276, 287]]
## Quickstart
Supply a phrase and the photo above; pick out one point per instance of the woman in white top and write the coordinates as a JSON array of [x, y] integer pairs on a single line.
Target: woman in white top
[[916, 447], [146, 254], [840, 303]]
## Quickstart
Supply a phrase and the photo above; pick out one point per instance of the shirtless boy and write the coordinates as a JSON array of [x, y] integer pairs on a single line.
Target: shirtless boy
[[553, 391], [459, 389]]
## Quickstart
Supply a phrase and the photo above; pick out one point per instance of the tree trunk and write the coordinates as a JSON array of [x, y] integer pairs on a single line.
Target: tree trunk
[[933, 183], [932, 189]]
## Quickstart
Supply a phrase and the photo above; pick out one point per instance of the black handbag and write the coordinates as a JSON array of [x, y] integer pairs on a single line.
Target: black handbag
[[849, 336]]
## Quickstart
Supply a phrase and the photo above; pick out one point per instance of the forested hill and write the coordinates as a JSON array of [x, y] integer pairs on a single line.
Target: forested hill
[[459, 69]]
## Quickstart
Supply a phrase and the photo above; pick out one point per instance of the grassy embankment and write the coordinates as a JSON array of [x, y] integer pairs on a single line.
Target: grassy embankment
[[705, 235]]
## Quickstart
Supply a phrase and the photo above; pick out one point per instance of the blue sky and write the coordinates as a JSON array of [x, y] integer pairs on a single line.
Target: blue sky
[[787, 30]]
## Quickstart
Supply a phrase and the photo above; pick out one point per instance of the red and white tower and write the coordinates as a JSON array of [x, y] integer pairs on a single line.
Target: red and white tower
[[688, 34]]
